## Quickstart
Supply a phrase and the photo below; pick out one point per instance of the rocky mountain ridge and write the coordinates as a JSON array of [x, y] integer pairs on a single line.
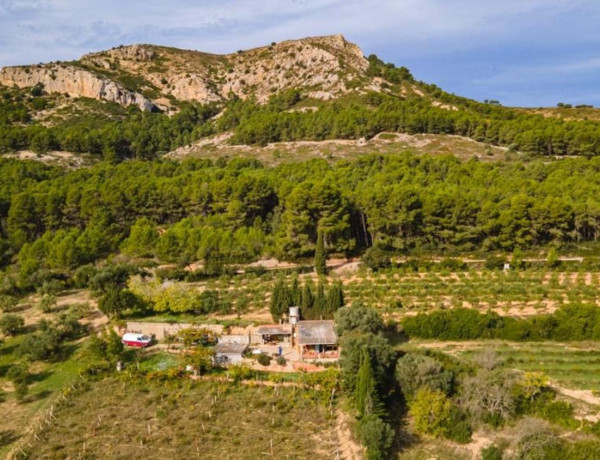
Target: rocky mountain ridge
[[150, 76]]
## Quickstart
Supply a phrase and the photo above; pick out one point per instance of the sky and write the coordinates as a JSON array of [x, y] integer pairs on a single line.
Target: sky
[[520, 52]]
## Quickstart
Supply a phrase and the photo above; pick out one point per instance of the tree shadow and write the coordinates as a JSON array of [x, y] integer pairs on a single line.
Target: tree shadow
[[8, 349], [60, 308], [4, 369], [40, 376], [64, 353], [394, 333], [8, 437], [20, 308], [38, 396]]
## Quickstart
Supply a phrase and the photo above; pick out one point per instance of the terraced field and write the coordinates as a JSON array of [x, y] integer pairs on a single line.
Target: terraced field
[[573, 365], [398, 293], [176, 419]]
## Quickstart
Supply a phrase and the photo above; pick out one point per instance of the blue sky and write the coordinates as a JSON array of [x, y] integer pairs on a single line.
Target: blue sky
[[520, 52]]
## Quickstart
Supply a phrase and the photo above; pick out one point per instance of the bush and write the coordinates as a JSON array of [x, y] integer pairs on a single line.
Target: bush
[[459, 430], [376, 259], [263, 359], [7, 302], [376, 435], [240, 372], [11, 324], [47, 302], [18, 373], [491, 453], [39, 347], [494, 263], [281, 361], [414, 371], [21, 391], [452, 264]]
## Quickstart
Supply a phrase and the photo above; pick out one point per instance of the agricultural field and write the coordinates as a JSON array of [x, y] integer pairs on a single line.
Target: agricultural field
[[397, 292], [153, 419], [572, 366]]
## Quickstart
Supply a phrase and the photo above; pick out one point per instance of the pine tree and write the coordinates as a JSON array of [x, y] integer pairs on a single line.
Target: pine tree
[[320, 255], [365, 396]]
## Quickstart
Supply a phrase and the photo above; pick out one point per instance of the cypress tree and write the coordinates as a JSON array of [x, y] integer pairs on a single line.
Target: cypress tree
[[335, 299], [281, 300], [320, 255], [296, 293], [320, 304], [365, 396], [307, 303]]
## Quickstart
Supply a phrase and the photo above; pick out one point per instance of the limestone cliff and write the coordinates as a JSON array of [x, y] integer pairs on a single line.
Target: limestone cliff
[[148, 75], [60, 78]]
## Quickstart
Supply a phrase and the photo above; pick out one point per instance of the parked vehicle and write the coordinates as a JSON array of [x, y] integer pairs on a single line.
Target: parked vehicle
[[136, 340]]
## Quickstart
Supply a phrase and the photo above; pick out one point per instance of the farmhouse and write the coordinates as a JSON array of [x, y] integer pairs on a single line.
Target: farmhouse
[[317, 340], [231, 348]]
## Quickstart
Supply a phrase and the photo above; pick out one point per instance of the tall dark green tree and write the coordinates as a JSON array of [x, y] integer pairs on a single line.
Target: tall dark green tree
[[335, 299], [366, 397], [281, 300], [320, 255]]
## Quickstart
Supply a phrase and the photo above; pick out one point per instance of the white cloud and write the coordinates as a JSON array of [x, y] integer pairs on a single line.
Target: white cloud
[[404, 31]]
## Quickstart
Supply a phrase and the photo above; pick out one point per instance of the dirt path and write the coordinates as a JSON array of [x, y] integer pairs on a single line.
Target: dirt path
[[349, 449]]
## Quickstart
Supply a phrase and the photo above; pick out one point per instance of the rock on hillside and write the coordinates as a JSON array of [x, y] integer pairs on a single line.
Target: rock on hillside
[[60, 78], [148, 75]]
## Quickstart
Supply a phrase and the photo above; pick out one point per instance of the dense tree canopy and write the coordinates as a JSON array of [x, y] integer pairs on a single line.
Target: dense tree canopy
[[238, 211]]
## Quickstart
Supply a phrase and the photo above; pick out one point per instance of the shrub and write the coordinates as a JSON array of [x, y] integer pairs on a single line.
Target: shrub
[[459, 429], [376, 259], [376, 435], [264, 360], [11, 324], [240, 372], [47, 303], [491, 453], [18, 373], [432, 411], [21, 391], [281, 361], [7, 302], [414, 371], [452, 264]]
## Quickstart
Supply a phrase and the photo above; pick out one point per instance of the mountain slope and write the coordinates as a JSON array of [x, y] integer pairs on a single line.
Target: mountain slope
[[149, 76], [313, 89]]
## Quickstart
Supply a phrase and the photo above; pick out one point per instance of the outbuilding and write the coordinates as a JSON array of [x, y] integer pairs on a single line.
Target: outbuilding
[[275, 333], [231, 349]]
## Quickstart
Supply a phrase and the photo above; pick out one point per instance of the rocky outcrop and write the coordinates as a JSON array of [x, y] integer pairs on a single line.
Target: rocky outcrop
[[321, 67], [76, 82]]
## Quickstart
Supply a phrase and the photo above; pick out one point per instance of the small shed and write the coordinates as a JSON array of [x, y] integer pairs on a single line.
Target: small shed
[[231, 348], [275, 333], [317, 339]]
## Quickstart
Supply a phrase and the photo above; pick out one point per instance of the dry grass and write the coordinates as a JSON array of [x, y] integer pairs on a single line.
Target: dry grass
[[114, 419], [332, 150]]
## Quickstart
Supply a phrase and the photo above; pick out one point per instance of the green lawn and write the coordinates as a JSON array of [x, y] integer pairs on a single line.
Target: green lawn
[[46, 381]]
